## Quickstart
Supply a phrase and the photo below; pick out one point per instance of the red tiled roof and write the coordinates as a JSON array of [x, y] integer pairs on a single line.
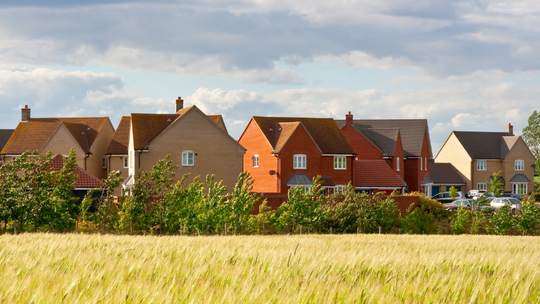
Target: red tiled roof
[[375, 173], [84, 179], [34, 134], [120, 142], [324, 131], [218, 119]]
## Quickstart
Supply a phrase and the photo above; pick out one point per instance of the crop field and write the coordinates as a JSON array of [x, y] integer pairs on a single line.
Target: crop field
[[69, 268]]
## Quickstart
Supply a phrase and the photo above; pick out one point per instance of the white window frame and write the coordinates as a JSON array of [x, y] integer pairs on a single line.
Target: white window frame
[[186, 158], [339, 189], [479, 166], [516, 188], [340, 163], [126, 162], [104, 162], [299, 161], [425, 163], [255, 161], [397, 164], [421, 163], [519, 165], [481, 186]]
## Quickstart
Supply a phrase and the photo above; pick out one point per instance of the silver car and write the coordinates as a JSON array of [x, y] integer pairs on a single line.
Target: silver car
[[514, 203]]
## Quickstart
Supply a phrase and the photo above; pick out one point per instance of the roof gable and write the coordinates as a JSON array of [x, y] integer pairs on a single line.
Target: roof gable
[[384, 139], [120, 141], [5, 134], [324, 132], [485, 145]]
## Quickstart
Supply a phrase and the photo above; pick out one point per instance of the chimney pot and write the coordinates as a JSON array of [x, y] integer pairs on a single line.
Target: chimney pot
[[25, 113], [348, 119], [179, 104], [510, 129]]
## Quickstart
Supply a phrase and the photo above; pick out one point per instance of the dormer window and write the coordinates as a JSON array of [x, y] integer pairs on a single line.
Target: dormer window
[[299, 161]]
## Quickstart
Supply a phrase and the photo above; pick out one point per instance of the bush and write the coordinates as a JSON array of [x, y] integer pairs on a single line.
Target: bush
[[460, 221]]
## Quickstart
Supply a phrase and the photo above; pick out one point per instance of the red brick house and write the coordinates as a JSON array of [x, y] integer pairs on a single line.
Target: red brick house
[[286, 152], [403, 144]]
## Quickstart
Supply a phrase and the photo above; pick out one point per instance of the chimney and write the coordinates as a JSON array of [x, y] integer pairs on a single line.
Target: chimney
[[25, 113], [510, 129], [348, 119], [179, 104]]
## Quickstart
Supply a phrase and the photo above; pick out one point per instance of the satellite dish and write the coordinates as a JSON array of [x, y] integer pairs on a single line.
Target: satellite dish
[[272, 172]]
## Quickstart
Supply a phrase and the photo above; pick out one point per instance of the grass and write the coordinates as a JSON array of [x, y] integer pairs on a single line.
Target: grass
[[48, 268]]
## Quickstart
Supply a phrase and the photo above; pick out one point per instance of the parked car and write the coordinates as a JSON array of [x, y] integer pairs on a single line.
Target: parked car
[[467, 204], [445, 197], [475, 193], [514, 203], [518, 196], [488, 196]]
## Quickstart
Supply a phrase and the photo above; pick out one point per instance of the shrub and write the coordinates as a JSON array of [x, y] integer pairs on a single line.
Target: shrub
[[462, 218]]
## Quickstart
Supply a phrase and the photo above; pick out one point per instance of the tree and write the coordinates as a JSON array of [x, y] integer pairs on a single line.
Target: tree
[[531, 136], [495, 185], [453, 193]]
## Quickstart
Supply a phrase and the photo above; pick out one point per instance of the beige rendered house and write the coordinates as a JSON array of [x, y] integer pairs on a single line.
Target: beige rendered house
[[117, 153], [477, 155], [198, 144], [89, 136]]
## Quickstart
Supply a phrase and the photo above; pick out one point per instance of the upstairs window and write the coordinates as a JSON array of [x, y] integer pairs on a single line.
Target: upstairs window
[[425, 164], [397, 163], [187, 158], [126, 161], [104, 163], [340, 162], [481, 165], [421, 163], [299, 161], [519, 165], [255, 161]]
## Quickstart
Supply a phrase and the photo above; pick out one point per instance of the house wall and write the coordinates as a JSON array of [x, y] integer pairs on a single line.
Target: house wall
[[215, 152], [414, 171], [116, 163], [399, 153], [61, 142], [364, 149], [480, 176], [98, 150], [453, 152], [254, 141], [519, 151]]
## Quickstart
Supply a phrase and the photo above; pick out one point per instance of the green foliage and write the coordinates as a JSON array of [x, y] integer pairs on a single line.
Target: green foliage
[[453, 193], [531, 136], [502, 221], [240, 203], [418, 221], [460, 221], [528, 222], [495, 186]]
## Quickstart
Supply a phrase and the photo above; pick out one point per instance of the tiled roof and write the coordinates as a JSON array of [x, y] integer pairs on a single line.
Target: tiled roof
[[299, 179], [411, 131], [375, 173], [520, 178], [384, 139], [34, 134], [446, 174], [324, 131], [283, 133], [5, 134], [120, 141], [84, 179], [218, 119], [487, 145]]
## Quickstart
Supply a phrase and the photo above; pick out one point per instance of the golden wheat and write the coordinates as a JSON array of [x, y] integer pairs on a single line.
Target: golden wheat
[[50, 268]]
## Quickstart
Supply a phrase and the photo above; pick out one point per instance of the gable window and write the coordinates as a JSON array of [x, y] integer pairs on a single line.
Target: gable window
[[299, 161], [421, 162], [481, 186], [187, 158], [255, 161], [481, 165], [340, 162], [397, 163], [519, 165], [425, 164], [104, 163], [126, 161]]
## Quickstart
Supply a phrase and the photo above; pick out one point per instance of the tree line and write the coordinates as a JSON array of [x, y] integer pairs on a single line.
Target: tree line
[[34, 197]]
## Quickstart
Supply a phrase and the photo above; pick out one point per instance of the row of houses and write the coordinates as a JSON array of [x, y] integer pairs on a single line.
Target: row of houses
[[279, 152]]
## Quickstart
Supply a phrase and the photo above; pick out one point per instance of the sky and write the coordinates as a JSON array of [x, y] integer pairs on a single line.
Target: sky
[[462, 65]]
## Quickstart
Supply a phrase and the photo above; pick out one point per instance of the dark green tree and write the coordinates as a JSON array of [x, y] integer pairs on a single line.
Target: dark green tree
[[531, 136]]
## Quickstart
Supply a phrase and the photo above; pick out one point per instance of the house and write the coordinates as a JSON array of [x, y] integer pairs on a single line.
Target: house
[[117, 152], [88, 136], [477, 155], [286, 152], [443, 177], [403, 144], [372, 176], [198, 144], [5, 134]]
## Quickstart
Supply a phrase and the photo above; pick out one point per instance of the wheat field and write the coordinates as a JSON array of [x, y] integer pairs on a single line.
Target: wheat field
[[55, 268]]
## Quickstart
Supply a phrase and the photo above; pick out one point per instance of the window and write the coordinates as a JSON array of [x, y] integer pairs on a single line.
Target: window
[[425, 164], [187, 158], [421, 162], [132, 162], [340, 162], [339, 189], [126, 161], [519, 165], [481, 186], [519, 188], [255, 161], [104, 163], [299, 161], [397, 163], [481, 165]]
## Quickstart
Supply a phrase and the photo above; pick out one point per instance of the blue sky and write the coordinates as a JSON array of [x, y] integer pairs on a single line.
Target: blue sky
[[463, 65]]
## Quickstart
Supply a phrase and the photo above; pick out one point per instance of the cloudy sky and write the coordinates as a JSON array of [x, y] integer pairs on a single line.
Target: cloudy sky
[[463, 65]]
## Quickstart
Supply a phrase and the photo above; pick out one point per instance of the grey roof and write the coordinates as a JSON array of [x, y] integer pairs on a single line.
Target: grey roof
[[486, 145], [5, 134], [446, 174], [426, 180], [384, 139], [503, 181], [411, 130], [299, 180], [519, 178]]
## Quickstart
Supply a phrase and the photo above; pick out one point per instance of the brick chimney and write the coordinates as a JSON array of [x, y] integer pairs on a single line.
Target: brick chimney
[[510, 129], [179, 104], [25, 113], [348, 119]]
